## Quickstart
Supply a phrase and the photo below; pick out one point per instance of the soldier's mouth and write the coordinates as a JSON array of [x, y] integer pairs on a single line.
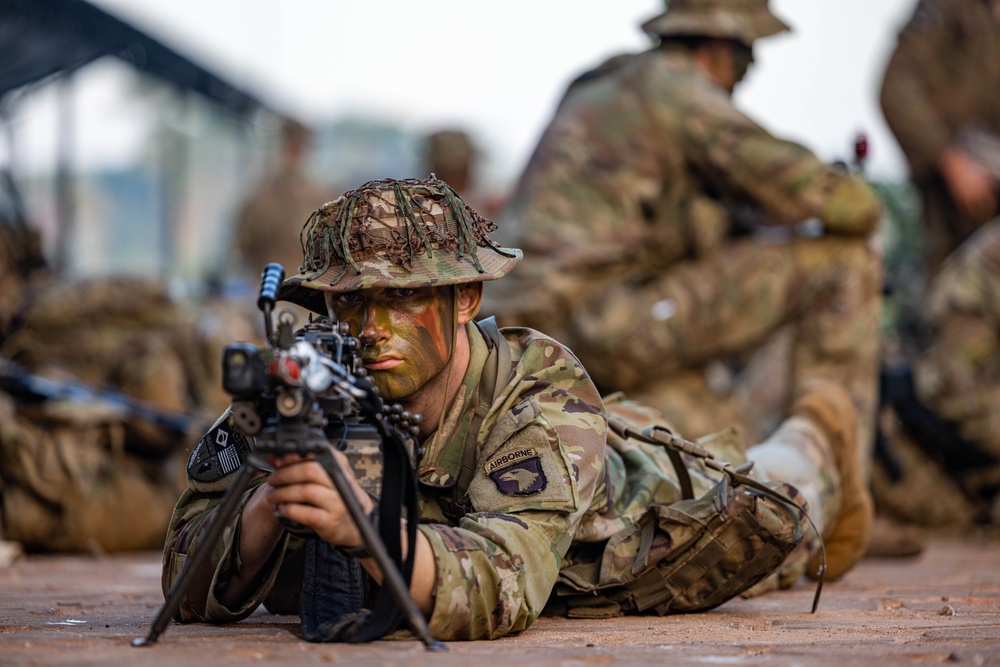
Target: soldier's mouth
[[381, 363]]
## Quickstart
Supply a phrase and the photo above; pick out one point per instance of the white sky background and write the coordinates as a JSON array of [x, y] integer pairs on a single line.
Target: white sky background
[[499, 68]]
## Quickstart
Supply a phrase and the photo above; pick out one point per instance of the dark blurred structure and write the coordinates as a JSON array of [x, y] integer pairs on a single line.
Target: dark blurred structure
[[41, 39], [51, 41]]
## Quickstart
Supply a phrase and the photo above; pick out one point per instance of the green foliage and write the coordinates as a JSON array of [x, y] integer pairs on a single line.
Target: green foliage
[[902, 240]]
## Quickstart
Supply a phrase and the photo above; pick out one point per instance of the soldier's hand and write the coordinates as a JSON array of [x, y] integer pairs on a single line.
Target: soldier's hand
[[302, 491], [971, 184]]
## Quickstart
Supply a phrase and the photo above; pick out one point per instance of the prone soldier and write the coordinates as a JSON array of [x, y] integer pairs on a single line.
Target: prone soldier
[[529, 488]]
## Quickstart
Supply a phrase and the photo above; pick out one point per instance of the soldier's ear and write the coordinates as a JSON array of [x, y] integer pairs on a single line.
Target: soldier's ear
[[468, 300]]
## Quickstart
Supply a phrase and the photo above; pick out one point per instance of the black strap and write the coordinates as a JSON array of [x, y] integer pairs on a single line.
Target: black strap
[[398, 500]]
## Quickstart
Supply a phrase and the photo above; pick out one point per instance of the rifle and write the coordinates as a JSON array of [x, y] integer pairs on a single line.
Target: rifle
[[302, 392], [30, 389]]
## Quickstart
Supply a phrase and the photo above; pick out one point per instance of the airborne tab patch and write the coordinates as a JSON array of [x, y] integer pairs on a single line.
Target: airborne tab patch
[[509, 458]]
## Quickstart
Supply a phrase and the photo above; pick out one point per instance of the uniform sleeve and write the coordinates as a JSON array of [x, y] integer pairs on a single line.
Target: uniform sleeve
[[787, 181], [191, 519], [535, 480], [908, 109]]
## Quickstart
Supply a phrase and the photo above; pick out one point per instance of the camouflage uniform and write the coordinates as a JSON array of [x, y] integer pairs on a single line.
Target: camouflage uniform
[[627, 213], [958, 377], [546, 482], [944, 76], [550, 482]]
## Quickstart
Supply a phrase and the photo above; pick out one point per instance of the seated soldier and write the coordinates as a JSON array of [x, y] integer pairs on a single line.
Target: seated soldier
[[663, 230], [403, 264]]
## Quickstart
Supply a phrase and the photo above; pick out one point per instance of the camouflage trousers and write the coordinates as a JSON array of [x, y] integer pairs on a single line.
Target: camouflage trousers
[[726, 339]]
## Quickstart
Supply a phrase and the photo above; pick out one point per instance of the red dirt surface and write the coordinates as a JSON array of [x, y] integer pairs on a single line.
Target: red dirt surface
[[940, 607]]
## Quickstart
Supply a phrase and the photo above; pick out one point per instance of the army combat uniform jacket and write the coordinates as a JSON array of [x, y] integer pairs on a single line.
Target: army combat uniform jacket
[[545, 482], [647, 162], [629, 211]]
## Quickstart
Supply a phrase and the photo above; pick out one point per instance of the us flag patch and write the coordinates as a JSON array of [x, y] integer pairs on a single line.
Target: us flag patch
[[220, 452]]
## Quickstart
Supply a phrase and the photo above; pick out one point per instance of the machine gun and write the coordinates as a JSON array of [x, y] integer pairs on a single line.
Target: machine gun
[[300, 393]]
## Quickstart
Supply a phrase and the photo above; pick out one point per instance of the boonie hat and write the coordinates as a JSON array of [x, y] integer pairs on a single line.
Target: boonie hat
[[394, 233], [742, 20]]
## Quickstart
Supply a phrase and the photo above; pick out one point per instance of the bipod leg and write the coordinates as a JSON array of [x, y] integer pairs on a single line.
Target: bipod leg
[[223, 513], [391, 576]]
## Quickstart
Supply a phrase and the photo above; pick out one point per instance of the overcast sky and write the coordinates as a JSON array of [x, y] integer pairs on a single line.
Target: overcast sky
[[498, 68]]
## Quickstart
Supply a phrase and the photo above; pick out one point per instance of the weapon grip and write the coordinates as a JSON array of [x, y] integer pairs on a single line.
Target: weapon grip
[[270, 280]]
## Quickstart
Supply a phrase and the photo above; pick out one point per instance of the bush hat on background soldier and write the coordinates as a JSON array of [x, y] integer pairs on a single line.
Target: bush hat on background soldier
[[640, 210], [742, 20], [403, 262]]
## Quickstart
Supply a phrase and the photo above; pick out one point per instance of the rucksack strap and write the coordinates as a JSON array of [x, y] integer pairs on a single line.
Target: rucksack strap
[[675, 446]]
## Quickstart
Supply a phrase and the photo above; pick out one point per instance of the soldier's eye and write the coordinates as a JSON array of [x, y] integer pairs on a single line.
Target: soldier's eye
[[349, 298]]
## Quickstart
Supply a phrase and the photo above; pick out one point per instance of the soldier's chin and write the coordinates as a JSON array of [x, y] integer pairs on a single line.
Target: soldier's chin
[[391, 388]]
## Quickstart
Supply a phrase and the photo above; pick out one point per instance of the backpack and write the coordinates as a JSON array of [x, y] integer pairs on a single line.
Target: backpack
[[689, 555]]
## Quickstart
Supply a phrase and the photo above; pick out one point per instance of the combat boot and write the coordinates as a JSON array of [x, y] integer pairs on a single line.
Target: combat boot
[[829, 406]]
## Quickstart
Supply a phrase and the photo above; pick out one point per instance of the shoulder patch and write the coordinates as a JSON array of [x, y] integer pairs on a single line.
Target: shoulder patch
[[523, 477], [220, 451]]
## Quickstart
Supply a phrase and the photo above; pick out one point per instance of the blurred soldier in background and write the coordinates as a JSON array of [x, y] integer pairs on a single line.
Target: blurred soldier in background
[[941, 98], [268, 222], [82, 468], [944, 422], [452, 156], [662, 244]]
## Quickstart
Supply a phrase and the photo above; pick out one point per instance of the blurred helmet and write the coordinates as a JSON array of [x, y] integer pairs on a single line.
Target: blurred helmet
[[395, 233], [449, 151], [742, 20]]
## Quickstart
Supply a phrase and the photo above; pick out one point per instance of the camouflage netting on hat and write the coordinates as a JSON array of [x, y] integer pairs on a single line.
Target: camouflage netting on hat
[[395, 233]]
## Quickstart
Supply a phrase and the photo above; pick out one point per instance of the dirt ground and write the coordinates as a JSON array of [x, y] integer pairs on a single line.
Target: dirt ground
[[940, 607]]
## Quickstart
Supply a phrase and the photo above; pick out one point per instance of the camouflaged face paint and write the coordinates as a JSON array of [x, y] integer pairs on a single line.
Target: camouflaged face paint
[[406, 334]]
